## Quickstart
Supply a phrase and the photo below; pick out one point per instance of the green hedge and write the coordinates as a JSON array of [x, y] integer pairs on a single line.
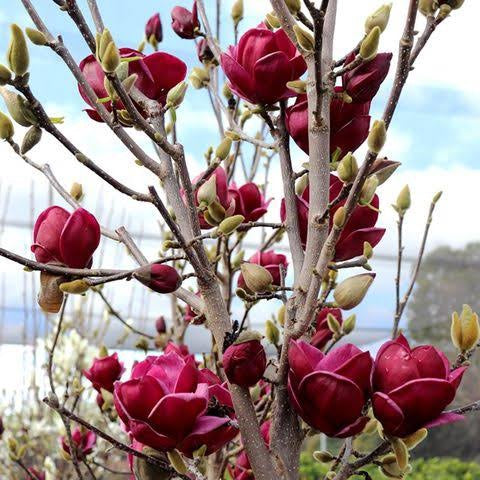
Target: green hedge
[[431, 469]]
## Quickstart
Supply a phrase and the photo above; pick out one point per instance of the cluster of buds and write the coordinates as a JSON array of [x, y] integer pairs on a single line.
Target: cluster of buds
[[444, 7]]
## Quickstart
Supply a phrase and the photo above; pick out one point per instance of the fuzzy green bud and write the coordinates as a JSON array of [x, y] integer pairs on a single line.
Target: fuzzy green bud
[[76, 191], [403, 200], [31, 138], [428, 7], [377, 136], [207, 193], [111, 58], [367, 250], [257, 278], [5, 75], [102, 41], [350, 293], [176, 95], [305, 39], [333, 324], [272, 333], [369, 46], [323, 456], [230, 224], [76, 287], [6, 127], [339, 217], [272, 21], [226, 92], [368, 190], [223, 148], [294, 6], [301, 184], [36, 36], [17, 53], [237, 12], [465, 329], [349, 324], [298, 86], [347, 168], [379, 18]]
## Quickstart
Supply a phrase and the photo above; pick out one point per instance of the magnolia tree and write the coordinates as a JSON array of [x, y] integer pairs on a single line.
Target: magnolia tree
[[242, 410]]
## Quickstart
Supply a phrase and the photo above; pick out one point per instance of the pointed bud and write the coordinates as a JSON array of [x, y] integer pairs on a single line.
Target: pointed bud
[[6, 127], [111, 58], [200, 452], [207, 193], [367, 250], [401, 452], [339, 217], [427, 7], [226, 92], [233, 135], [31, 138], [177, 462], [129, 82], [348, 324], [237, 12], [238, 259], [371, 426], [36, 36], [281, 315], [5, 75], [305, 39], [369, 46], [377, 136], [76, 191], [103, 352], [223, 149], [403, 200], [230, 224], [17, 53], [176, 95], [272, 21], [294, 6], [76, 287], [272, 333], [349, 293], [444, 12], [415, 438], [465, 329], [379, 18], [215, 212], [298, 86], [159, 277], [437, 197], [333, 323], [383, 169], [301, 184], [257, 278], [102, 41], [347, 168], [323, 456], [368, 190]]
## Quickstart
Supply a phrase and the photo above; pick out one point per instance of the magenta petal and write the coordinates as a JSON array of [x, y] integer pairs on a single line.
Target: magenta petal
[[275, 65], [432, 363], [175, 414], [455, 377], [79, 239], [359, 370], [143, 433], [445, 419], [353, 429], [303, 357], [352, 246], [187, 379], [240, 81], [253, 45], [338, 357], [387, 412]]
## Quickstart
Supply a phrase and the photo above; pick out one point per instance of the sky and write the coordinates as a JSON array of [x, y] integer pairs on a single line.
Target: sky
[[434, 135]]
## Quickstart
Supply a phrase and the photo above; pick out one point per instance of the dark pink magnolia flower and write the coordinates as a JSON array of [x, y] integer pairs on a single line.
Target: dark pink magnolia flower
[[153, 28], [249, 201], [349, 123], [243, 469], [157, 74], [169, 403], [159, 277], [185, 22], [204, 52], [224, 197], [66, 238], [84, 442], [322, 333], [362, 83], [37, 475], [245, 363], [271, 261], [412, 387], [330, 391], [181, 350], [104, 372], [262, 63], [161, 325], [360, 227]]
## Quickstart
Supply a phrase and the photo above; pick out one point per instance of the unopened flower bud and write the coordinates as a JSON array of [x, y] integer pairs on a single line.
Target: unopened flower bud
[[465, 329], [401, 452], [227, 93], [455, 4], [232, 135], [111, 58], [177, 462], [301, 184], [323, 456], [367, 250], [238, 259], [347, 168], [5, 75], [6, 127], [31, 138], [427, 7], [415, 438], [272, 333], [176, 95], [129, 82], [17, 53], [230, 224], [257, 278], [237, 12], [207, 193], [294, 6], [369, 46], [305, 39], [223, 149], [349, 293], [348, 324], [76, 191], [36, 36], [102, 41], [76, 287], [272, 20], [437, 197], [298, 86], [379, 18], [368, 190], [281, 314], [377, 136], [339, 217], [333, 323], [159, 277], [445, 11], [215, 213], [403, 200]]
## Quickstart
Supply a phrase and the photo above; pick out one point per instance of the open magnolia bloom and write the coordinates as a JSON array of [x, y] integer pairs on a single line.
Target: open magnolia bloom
[[170, 404]]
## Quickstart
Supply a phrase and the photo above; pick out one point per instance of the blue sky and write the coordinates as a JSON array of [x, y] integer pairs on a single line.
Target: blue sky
[[434, 135]]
